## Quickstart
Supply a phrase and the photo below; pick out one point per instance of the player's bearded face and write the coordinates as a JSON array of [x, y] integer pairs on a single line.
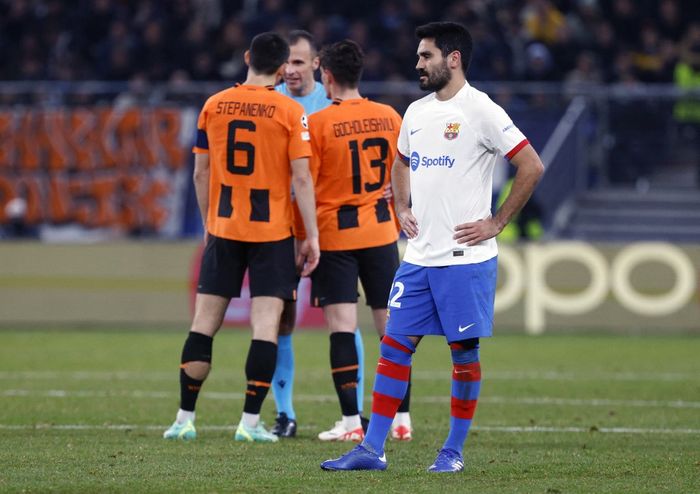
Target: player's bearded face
[[436, 78]]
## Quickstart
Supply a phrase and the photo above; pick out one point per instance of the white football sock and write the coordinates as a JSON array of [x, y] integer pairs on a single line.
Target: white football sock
[[351, 422], [402, 418], [251, 419], [183, 416]]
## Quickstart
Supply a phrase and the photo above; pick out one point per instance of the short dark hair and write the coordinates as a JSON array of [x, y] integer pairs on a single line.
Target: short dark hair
[[449, 37], [345, 60], [298, 34], [268, 51]]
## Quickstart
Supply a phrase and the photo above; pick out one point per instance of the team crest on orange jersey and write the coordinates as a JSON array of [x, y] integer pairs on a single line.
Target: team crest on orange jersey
[[451, 131]]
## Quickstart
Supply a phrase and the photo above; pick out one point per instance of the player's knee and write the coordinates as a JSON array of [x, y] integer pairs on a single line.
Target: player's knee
[[468, 344], [286, 329], [465, 351], [197, 348], [196, 355], [268, 334], [406, 342], [261, 361], [287, 319], [196, 370], [397, 348]]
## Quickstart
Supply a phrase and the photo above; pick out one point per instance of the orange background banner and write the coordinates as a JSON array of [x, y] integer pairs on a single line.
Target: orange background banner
[[94, 166]]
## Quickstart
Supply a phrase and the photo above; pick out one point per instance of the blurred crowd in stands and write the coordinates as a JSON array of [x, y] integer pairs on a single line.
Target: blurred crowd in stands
[[579, 41]]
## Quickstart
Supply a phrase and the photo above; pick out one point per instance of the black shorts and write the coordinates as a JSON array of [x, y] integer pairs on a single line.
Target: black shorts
[[272, 272], [334, 281]]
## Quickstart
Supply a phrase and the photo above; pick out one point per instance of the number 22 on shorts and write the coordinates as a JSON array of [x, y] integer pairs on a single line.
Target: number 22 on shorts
[[394, 301]]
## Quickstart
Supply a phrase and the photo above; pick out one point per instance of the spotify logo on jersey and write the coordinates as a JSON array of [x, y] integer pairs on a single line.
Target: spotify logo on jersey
[[441, 161], [415, 160]]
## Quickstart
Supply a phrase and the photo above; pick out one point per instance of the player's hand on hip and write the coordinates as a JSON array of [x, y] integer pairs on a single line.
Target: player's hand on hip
[[476, 231], [307, 256], [388, 193], [408, 223]]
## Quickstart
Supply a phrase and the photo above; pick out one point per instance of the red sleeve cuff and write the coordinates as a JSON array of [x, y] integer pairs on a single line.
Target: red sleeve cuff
[[517, 148]]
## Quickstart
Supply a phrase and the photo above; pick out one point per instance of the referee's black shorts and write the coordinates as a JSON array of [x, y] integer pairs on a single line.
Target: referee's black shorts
[[272, 272], [334, 281]]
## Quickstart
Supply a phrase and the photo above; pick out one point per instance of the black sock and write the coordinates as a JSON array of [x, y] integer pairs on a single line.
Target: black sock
[[344, 367], [197, 348], [189, 391], [406, 403], [259, 369]]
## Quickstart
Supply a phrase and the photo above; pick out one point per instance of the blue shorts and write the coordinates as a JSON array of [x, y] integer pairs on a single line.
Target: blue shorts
[[454, 301]]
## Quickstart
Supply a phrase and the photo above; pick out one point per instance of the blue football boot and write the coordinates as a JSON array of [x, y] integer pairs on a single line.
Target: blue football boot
[[359, 458], [448, 460]]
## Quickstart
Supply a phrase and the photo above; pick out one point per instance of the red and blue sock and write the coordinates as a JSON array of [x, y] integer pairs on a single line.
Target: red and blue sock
[[466, 384], [390, 385]]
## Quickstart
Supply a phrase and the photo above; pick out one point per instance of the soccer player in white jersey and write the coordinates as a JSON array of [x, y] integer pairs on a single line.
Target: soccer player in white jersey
[[449, 143]]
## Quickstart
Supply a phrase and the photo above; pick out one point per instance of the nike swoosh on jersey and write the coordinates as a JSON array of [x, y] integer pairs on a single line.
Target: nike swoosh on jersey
[[463, 329], [413, 131]]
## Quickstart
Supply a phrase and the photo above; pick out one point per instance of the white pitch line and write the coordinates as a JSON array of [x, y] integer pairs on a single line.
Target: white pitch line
[[480, 428], [595, 402], [417, 375], [322, 398], [588, 376], [604, 430]]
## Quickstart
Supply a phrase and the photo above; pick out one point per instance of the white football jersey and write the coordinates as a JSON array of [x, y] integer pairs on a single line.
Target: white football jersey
[[452, 148]]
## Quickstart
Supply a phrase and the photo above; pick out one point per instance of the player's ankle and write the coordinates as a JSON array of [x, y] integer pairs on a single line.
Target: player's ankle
[[402, 418], [351, 422], [250, 419], [372, 448], [184, 415]]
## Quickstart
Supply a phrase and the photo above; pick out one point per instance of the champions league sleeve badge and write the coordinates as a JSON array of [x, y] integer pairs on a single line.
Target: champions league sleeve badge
[[451, 131]]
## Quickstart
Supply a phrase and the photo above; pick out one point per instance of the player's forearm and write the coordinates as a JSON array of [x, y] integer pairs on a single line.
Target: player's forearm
[[305, 199], [528, 174], [201, 187], [401, 185]]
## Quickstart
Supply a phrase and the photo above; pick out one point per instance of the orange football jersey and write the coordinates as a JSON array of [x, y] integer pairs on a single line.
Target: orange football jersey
[[354, 144], [251, 134]]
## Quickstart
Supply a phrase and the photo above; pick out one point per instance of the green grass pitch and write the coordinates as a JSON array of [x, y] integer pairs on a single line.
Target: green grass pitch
[[84, 411]]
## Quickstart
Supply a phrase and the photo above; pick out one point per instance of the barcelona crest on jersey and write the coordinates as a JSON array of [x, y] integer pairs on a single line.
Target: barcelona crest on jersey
[[451, 131]]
